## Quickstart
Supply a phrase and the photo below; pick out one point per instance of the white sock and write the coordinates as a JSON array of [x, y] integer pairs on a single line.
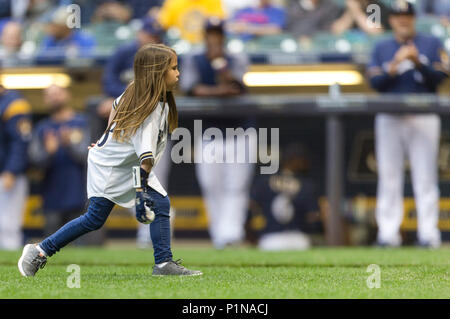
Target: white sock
[[41, 250], [161, 264]]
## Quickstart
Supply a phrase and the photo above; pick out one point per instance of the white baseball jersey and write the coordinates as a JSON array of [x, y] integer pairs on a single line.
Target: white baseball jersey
[[110, 162]]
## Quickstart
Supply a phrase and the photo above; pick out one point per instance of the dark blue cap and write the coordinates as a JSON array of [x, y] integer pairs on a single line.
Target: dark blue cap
[[402, 7], [214, 24], [151, 26]]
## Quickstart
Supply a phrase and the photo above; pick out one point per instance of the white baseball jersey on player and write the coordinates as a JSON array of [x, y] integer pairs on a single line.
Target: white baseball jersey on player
[[110, 162]]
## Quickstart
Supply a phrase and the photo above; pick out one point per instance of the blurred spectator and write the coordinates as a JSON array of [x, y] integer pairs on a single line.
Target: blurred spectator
[[189, 16], [232, 6], [355, 17], [24, 9], [11, 49], [15, 133], [262, 19], [59, 147], [439, 8], [144, 8], [305, 17], [118, 71], [224, 184], [213, 72], [287, 203], [112, 11], [62, 41]]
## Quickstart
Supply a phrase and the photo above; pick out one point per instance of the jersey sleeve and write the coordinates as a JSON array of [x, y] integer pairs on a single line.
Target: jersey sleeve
[[438, 70], [116, 102], [379, 78], [146, 139]]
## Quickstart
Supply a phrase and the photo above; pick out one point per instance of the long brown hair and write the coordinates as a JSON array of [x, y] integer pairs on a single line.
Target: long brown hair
[[142, 95]]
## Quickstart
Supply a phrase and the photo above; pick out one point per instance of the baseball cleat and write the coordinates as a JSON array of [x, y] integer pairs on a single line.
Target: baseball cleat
[[31, 261], [174, 268]]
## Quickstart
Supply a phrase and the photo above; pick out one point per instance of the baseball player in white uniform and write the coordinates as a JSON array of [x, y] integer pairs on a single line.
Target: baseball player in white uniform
[[407, 63], [119, 165], [15, 134]]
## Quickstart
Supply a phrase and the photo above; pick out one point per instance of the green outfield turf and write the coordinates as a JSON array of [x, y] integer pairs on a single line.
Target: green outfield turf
[[236, 273]]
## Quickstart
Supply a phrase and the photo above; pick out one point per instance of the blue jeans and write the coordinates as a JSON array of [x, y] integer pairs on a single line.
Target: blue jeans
[[96, 215]]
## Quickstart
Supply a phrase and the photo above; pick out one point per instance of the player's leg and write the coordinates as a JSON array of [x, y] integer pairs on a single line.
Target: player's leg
[[34, 256], [423, 150], [160, 234], [390, 158], [237, 179], [12, 206], [210, 178]]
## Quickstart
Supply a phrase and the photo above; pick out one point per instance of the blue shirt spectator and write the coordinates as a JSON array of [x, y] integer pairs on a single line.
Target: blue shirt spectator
[[266, 19], [62, 41], [83, 43]]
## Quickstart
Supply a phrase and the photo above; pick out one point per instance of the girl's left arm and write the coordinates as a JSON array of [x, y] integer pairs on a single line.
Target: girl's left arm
[[111, 115]]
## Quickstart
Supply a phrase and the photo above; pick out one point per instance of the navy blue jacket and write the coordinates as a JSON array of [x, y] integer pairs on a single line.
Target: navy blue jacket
[[15, 132], [64, 184], [424, 79]]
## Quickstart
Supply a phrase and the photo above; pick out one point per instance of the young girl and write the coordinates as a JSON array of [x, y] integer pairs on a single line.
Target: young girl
[[120, 163]]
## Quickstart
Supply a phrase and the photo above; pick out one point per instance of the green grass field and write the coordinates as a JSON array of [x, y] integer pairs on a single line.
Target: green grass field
[[236, 273]]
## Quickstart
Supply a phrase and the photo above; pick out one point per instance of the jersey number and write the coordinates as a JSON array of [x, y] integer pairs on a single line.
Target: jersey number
[[105, 138]]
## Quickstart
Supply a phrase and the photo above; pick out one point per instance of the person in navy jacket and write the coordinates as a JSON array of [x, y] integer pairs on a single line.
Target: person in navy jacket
[[407, 63], [59, 148]]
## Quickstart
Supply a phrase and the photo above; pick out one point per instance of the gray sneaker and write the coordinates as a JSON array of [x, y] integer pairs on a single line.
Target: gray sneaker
[[31, 261], [174, 268]]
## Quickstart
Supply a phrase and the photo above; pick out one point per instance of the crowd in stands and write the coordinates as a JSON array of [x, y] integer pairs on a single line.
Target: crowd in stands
[[45, 28]]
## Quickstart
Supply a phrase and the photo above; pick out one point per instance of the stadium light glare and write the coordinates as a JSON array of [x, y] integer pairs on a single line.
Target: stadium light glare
[[302, 78], [34, 81]]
